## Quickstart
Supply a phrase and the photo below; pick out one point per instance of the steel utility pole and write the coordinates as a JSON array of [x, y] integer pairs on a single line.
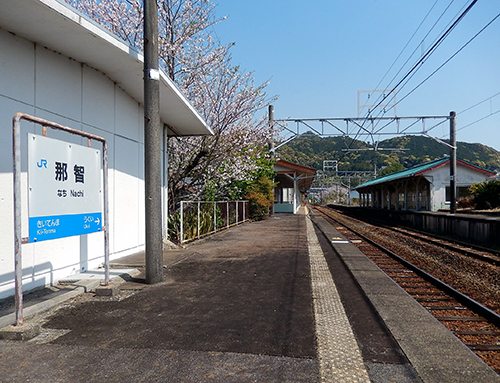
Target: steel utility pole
[[453, 162], [152, 146]]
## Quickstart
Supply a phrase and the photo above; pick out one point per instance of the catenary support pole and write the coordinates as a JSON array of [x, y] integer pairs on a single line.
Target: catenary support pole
[[271, 126], [272, 150], [453, 162], [152, 146]]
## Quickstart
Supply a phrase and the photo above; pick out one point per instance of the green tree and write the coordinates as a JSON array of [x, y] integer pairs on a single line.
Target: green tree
[[393, 167]]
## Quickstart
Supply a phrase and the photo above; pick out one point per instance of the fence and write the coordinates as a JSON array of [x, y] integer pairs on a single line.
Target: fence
[[199, 218]]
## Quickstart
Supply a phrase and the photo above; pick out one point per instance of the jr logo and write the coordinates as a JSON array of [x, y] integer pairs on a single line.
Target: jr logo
[[42, 164]]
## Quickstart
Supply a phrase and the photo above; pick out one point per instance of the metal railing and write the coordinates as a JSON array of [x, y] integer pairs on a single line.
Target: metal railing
[[199, 218]]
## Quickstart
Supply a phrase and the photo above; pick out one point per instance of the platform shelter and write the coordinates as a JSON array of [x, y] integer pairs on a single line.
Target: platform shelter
[[424, 187], [293, 183]]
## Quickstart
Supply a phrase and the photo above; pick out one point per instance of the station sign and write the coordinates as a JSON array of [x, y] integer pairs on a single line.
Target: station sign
[[64, 189]]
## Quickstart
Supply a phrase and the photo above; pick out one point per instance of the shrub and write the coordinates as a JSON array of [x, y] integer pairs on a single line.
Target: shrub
[[465, 202], [486, 194], [260, 196]]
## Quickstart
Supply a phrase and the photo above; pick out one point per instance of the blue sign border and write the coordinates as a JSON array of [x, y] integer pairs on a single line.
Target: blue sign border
[[60, 226]]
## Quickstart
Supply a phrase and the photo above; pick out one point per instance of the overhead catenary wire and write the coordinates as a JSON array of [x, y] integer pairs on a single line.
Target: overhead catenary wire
[[431, 50], [448, 60], [479, 120], [479, 103], [420, 62], [411, 55], [476, 105], [404, 80], [408, 43], [442, 65]]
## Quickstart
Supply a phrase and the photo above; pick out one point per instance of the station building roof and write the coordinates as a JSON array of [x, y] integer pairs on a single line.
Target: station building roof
[[57, 26], [421, 170]]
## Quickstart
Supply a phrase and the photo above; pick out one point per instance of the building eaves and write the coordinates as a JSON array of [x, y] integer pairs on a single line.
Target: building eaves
[[57, 26], [421, 170], [416, 170]]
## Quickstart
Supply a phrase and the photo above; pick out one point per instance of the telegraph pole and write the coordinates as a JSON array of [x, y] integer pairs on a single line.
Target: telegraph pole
[[453, 162], [153, 138]]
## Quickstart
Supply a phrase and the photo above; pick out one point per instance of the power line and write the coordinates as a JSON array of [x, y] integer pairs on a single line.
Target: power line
[[432, 49], [406, 45], [448, 60], [479, 120], [427, 54], [411, 55], [479, 103], [434, 46]]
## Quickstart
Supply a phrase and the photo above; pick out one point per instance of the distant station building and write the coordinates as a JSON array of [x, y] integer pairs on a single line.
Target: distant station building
[[293, 183], [60, 66], [422, 188]]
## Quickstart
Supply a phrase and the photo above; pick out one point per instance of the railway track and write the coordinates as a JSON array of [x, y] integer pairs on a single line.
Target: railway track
[[471, 250], [476, 323]]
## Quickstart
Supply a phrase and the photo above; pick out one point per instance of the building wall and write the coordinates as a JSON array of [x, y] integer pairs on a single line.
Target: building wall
[[440, 179], [45, 84]]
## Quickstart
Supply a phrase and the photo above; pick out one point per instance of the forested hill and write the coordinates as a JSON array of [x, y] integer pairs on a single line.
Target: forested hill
[[311, 150]]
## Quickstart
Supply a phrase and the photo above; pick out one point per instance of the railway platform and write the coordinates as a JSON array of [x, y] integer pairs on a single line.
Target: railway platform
[[288, 299]]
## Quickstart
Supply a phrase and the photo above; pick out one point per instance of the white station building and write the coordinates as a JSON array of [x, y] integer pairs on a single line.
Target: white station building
[[59, 66]]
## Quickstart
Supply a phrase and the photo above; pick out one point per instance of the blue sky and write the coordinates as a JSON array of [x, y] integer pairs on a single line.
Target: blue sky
[[317, 55]]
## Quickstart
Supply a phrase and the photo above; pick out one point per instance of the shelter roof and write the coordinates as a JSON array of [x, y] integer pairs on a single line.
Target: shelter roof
[[290, 168], [421, 170], [304, 174], [59, 27]]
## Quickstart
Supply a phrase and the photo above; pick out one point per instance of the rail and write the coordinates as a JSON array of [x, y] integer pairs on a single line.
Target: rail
[[199, 218], [472, 304]]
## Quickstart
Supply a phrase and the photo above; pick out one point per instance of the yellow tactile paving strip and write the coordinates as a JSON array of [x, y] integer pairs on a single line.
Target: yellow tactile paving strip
[[338, 352]]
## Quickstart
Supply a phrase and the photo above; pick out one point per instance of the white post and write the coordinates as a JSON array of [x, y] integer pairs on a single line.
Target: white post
[[182, 222], [215, 217], [198, 219]]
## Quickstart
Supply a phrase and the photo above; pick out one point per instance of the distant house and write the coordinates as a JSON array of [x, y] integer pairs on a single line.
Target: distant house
[[293, 182], [423, 187], [58, 65]]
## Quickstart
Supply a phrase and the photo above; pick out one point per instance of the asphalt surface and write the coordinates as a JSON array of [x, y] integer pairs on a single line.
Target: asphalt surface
[[238, 306], [235, 307]]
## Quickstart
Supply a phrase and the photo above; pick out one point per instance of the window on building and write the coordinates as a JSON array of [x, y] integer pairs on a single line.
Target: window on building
[[462, 192], [287, 195]]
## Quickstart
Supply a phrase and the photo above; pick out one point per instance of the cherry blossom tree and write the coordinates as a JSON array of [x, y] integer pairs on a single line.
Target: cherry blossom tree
[[226, 97]]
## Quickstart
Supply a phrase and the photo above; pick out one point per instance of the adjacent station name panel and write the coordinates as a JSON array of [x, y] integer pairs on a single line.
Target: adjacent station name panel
[[65, 189]]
